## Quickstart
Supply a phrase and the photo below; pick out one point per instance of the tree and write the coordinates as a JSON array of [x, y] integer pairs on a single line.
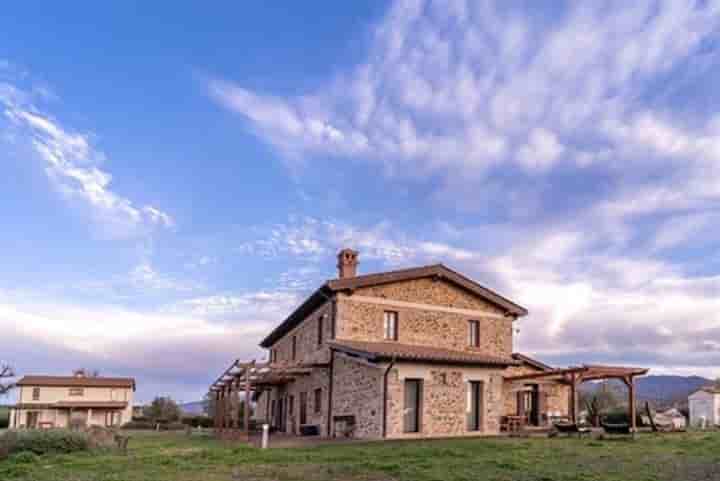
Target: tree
[[163, 408], [6, 372]]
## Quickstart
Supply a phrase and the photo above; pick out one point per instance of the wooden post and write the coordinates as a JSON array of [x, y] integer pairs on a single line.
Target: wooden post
[[228, 406], [573, 397], [631, 394], [246, 410], [217, 410]]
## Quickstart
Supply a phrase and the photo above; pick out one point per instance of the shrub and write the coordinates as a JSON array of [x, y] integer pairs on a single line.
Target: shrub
[[620, 416], [198, 421], [138, 425], [45, 441], [173, 426], [24, 457], [4, 418]]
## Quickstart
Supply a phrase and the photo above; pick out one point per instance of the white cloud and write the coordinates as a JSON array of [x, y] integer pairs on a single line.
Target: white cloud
[[313, 240], [268, 306], [144, 276], [542, 150], [72, 166], [455, 90]]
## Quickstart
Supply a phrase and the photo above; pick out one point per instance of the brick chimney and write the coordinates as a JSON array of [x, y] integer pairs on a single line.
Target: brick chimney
[[347, 263]]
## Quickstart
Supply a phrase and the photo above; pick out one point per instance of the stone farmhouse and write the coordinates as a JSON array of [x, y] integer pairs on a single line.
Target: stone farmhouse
[[420, 352], [70, 401]]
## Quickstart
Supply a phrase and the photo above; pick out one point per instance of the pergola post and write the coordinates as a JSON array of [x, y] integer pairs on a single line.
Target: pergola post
[[228, 406], [221, 408], [234, 402], [632, 401], [216, 412], [574, 381], [246, 410]]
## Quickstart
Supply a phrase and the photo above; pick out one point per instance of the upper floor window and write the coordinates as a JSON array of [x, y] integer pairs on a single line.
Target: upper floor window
[[320, 326], [76, 391], [474, 333], [391, 326], [36, 394], [294, 348]]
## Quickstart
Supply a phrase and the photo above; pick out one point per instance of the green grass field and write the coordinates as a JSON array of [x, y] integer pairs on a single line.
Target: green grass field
[[171, 456]]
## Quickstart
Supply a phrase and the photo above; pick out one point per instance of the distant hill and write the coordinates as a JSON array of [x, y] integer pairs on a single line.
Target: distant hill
[[659, 389], [192, 408]]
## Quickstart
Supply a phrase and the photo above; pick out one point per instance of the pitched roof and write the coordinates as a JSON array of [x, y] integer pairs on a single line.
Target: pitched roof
[[73, 381], [73, 404], [378, 351], [323, 293], [532, 362], [707, 389]]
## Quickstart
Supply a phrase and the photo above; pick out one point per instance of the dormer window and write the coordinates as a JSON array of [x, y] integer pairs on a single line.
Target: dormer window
[[391, 326]]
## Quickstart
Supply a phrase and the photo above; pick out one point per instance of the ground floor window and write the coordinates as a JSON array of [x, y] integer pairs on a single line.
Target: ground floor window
[[476, 406], [413, 405], [112, 418]]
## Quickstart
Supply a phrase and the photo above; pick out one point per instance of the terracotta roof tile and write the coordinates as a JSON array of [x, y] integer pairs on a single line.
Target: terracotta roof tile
[[407, 352], [72, 381]]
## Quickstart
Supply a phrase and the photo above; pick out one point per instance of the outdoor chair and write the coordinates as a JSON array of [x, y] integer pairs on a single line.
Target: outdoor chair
[[571, 429]]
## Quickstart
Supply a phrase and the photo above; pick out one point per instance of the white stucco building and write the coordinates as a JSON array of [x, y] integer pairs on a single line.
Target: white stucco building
[[704, 407]]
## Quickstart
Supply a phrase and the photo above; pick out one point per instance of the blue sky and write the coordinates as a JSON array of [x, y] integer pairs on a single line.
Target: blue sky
[[177, 177]]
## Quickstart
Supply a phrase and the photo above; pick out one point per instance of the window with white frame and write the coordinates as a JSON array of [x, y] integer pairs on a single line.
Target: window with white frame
[[391, 326]]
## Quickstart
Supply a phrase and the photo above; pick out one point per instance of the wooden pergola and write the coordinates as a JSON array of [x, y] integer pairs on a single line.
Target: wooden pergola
[[249, 377], [574, 376]]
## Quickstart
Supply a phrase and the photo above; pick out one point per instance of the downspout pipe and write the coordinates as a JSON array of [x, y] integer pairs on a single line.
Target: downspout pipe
[[385, 396]]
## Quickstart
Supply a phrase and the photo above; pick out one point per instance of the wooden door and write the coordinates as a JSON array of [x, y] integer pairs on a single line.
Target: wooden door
[[475, 419], [413, 405]]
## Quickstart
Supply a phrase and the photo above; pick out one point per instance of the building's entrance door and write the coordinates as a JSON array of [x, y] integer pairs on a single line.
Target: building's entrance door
[[303, 408], [529, 404], [476, 406], [413, 397], [32, 419]]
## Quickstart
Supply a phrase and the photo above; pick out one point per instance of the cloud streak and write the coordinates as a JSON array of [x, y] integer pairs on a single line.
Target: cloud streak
[[72, 165]]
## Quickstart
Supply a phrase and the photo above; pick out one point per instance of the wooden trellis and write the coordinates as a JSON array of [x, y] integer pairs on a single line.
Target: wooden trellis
[[249, 377], [574, 376]]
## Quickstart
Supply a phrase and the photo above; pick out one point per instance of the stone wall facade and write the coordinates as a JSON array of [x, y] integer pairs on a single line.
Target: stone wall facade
[[361, 320], [307, 348], [358, 392], [445, 402]]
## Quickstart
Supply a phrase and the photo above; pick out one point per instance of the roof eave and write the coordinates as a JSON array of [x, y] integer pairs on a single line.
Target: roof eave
[[315, 300]]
